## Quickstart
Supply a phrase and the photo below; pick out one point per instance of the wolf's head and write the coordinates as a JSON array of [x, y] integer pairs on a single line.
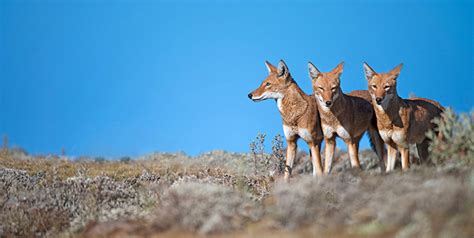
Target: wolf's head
[[275, 84], [382, 86], [326, 86]]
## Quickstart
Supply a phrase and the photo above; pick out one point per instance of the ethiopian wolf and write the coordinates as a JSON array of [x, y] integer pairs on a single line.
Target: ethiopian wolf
[[347, 116], [400, 122], [298, 111]]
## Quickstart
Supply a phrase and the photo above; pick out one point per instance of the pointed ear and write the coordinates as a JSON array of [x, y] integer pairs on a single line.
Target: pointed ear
[[396, 71], [282, 69], [270, 67], [313, 71], [338, 69], [369, 72]]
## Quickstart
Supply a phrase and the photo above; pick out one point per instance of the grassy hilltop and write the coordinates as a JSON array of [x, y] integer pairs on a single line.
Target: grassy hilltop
[[241, 195]]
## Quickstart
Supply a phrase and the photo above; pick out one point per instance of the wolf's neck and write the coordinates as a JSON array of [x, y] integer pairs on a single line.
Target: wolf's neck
[[294, 94], [293, 104], [340, 104], [392, 107]]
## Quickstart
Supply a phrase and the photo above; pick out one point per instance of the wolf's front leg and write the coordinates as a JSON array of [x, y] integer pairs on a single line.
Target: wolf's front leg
[[405, 154], [316, 159], [353, 148], [391, 156], [329, 153], [290, 157]]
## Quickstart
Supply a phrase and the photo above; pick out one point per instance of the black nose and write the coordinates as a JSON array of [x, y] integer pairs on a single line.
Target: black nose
[[378, 100], [250, 95], [328, 103]]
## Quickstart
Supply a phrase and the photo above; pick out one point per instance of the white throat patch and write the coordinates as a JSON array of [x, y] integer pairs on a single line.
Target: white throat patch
[[280, 108]]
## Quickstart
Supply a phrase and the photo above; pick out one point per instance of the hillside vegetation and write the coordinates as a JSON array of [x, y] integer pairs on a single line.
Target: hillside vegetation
[[241, 195]]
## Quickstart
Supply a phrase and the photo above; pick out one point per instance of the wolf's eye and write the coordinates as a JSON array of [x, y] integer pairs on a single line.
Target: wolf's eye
[[321, 88], [387, 87], [267, 84], [333, 89], [374, 86]]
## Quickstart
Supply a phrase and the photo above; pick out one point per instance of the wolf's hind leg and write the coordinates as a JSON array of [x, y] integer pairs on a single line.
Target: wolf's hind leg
[[378, 146], [422, 149]]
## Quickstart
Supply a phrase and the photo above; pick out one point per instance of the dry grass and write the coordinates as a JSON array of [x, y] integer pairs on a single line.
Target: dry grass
[[238, 195], [171, 194]]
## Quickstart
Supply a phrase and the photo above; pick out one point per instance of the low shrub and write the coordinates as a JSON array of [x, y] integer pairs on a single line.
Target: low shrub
[[455, 141], [205, 208]]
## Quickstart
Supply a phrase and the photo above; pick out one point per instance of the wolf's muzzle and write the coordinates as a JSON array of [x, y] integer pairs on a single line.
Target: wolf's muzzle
[[379, 100]]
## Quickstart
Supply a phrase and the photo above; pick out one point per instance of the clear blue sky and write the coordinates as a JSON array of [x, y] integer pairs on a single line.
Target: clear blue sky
[[133, 77]]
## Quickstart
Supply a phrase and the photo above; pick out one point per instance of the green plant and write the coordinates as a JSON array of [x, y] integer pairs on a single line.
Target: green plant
[[278, 156], [257, 148], [273, 163], [453, 137]]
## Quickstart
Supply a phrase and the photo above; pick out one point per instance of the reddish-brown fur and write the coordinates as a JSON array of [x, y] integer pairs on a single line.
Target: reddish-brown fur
[[347, 116], [400, 122], [298, 111]]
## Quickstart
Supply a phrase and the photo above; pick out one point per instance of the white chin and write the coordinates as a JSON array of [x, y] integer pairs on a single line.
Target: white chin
[[268, 95], [258, 99]]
